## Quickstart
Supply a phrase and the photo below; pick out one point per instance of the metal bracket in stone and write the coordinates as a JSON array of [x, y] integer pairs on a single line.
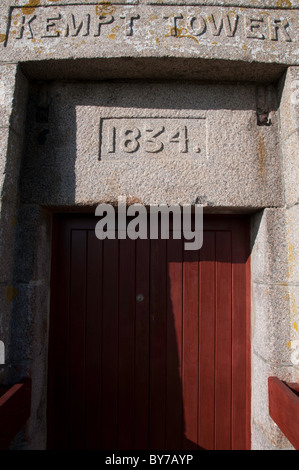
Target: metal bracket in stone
[[263, 105], [263, 118]]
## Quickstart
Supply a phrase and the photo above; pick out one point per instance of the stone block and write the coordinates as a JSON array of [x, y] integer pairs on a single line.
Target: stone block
[[221, 30], [292, 238], [270, 249], [289, 103], [4, 19], [10, 162], [273, 326], [20, 99], [37, 429], [4, 142], [29, 323], [13, 97], [209, 147], [289, 129], [32, 245], [5, 310], [7, 88], [11, 148], [7, 234], [289, 149], [259, 440]]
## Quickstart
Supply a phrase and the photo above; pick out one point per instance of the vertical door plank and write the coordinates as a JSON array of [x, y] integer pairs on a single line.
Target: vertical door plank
[[77, 340], [93, 341], [126, 353], [247, 339], [142, 345], [59, 339], [158, 310], [174, 398], [109, 421], [239, 346], [223, 342], [207, 342], [190, 347]]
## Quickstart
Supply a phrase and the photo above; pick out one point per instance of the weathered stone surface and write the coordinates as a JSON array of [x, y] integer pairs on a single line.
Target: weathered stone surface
[[289, 125], [11, 146], [13, 94], [225, 158], [274, 267], [7, 90], [259, 441], [13, 97], [7, 251], [271, 247], [39, 30], [289, 103], [289, 148], [28, 323], [292, 218], [4, 142], [6, 294], [32, 245], [273, 322]]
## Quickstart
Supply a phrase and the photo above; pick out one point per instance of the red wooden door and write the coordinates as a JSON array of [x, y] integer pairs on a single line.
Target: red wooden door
[[149, 343]]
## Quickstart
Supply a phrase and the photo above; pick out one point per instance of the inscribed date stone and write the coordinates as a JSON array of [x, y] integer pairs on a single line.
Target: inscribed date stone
[[152, 137]]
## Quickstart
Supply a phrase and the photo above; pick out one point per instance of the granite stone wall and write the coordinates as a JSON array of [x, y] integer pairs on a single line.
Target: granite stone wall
[[74, 78]]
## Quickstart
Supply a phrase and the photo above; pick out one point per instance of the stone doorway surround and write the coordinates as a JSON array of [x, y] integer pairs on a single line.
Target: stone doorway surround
[[49, 41]]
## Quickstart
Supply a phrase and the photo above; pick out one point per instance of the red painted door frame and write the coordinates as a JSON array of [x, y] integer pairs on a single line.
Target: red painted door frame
[[184, 381]]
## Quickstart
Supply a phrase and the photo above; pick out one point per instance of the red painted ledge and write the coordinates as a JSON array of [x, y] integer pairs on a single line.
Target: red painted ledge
[[15, 404], [284, 408]]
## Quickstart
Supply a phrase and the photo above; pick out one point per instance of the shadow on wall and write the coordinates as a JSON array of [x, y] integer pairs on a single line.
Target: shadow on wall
[[25, 258]]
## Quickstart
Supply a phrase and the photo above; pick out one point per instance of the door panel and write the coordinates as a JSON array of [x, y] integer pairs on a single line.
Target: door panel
[[141, 341], [174, 404], [149, 343]]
